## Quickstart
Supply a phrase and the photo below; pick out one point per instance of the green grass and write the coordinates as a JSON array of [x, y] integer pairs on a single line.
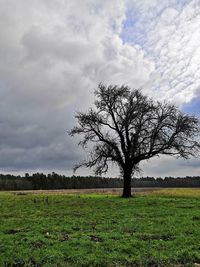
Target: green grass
[[156, 229]]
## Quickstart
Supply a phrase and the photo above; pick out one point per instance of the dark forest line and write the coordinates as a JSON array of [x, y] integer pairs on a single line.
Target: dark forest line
[[56, 181]]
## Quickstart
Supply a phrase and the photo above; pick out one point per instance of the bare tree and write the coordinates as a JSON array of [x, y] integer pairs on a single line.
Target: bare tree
[[126, 128]]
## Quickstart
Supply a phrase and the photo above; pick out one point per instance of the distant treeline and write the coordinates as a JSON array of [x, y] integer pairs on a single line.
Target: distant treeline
[[56, 181]]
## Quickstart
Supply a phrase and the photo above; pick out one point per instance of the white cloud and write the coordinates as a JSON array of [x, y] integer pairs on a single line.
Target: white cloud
[[168, 33], [174, 44], [168, 166]]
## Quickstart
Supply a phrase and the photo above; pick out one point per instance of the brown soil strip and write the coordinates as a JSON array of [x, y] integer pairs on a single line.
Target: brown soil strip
[[114, 191]]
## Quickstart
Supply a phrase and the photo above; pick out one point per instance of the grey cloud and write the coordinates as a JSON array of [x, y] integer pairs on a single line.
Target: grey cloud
[[38, 143], [53, 54], [40, 43]]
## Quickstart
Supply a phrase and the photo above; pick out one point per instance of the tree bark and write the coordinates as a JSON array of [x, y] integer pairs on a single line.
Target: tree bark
[[127, 185]]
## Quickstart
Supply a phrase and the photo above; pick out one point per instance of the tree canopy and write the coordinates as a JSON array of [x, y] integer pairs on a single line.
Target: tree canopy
[[126, 127]]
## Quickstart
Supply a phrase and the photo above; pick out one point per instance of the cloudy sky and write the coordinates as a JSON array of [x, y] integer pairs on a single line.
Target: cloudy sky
[[53, 53]]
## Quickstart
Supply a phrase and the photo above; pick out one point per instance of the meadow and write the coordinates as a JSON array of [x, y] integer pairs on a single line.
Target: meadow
[[160, 228]]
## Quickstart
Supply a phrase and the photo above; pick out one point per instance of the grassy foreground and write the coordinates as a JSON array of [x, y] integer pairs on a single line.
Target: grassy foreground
[[154, 229]]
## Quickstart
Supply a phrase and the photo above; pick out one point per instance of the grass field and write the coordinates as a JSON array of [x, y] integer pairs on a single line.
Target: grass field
[[160, 228]]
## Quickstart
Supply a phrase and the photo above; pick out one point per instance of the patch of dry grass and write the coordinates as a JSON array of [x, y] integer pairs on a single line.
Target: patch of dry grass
[[182, 192]]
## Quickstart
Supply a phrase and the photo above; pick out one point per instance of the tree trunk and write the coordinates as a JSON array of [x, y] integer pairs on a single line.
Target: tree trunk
[[127, 185]]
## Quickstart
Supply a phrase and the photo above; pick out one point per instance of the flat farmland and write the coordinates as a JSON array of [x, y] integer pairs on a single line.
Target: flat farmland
[[98, 228]]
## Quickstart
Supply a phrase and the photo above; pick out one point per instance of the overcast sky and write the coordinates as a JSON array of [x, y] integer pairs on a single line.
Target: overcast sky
[[53, 53]]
